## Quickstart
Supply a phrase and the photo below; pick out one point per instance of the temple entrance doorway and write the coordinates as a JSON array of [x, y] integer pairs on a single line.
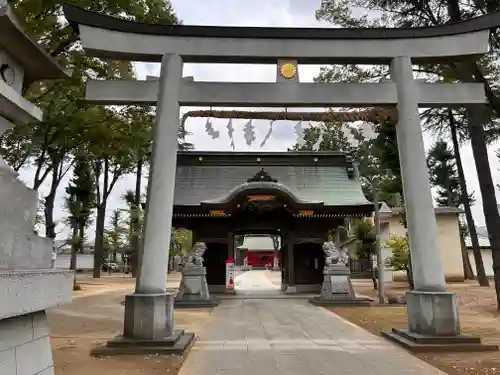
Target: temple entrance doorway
[[258, 262]]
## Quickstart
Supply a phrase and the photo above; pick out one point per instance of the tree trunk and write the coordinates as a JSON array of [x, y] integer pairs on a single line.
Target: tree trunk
[[478, 259], [468, 273], [81, 235], [470, 72], [136, 251], [74, 248], [490, 210], [99, 238], [48, 210]]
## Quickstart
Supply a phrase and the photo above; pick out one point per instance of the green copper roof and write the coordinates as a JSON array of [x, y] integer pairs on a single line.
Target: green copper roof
[[325, 180]]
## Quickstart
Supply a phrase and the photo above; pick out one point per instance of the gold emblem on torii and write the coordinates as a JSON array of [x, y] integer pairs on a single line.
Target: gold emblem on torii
[[288, 70]]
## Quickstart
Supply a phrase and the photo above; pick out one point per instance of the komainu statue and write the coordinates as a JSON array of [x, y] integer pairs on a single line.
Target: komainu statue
[[195, 256], [334, 255], [193, 290]]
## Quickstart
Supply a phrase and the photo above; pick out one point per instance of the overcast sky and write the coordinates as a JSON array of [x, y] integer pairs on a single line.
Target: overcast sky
[[291, 13]]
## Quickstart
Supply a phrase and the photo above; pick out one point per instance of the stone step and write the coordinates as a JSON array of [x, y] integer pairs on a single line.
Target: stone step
[[443, 347], [423, 339]]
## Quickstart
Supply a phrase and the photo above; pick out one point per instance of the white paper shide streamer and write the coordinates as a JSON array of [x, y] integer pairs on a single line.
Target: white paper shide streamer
[[210, 130], [230, 131], [249, 133], [268, 134]]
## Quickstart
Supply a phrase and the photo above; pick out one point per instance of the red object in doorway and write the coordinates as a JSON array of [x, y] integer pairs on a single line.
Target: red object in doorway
[[260, 258]]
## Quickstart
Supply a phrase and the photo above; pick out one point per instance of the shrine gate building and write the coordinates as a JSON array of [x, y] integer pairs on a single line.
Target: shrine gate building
[[299, 195]]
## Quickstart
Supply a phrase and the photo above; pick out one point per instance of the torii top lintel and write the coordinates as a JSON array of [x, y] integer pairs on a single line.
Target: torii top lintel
[[110, 37]]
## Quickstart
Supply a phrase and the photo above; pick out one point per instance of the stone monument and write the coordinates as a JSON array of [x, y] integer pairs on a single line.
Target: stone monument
[[337, 287], [28, 283], [193, 291]]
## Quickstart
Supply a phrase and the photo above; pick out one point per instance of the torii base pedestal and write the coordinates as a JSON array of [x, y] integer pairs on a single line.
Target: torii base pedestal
[[434, 326], [148, 328]]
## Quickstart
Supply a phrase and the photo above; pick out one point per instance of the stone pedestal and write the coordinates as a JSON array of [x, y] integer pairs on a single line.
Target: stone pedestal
[[148, 328], [336, 289], [193, 291], [28, 284], [434, 325]]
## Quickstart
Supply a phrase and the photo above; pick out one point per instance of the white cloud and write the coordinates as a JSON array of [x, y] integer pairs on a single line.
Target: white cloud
[[293, 13]]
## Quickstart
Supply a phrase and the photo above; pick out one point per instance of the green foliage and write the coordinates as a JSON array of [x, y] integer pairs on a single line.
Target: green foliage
[[133, 220], [115, 235], [377, 159], [420, 14], [334, 138], [80, 199], [399, 261], [444, 176], [364, 231], [181, 241], [113, 139]]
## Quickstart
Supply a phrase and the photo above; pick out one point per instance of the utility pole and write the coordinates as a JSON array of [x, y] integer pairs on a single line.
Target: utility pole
[[378, 249]]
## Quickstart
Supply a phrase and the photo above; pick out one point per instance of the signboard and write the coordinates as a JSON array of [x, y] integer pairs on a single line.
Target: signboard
[[230, 274], [306, 212], [217, 212], [253, 198]]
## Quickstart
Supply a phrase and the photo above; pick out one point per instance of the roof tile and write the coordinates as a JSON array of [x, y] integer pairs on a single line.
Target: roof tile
[[329, 184]]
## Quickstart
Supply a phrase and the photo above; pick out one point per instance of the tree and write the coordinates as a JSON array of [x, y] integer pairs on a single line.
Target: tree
[[79, 202], [478, 119], [49, 145], [112, 158], [365, 236], [334, 138], [364, 232], [400, 258], [444, 175], [114, 237]]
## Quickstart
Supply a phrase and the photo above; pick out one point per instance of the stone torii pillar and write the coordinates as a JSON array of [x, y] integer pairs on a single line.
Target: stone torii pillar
[[149, 312], [432, 311]]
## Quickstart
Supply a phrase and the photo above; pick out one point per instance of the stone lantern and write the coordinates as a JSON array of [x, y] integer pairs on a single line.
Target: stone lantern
[[28, 284]]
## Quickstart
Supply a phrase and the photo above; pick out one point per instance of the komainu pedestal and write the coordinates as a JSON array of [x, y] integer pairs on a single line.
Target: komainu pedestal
[[336, 289], [193, 291]]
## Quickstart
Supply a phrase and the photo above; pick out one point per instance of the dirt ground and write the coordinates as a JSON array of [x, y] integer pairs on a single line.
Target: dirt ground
[[95, 315], [478, 316]]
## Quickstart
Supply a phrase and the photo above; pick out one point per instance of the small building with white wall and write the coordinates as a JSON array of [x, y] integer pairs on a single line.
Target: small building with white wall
[[485, 248], [450, 248]]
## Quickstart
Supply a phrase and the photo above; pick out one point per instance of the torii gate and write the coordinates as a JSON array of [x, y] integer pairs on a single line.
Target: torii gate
[[432, 310]]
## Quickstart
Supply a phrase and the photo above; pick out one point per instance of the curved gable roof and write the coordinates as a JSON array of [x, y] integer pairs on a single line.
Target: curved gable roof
[[218, 174]]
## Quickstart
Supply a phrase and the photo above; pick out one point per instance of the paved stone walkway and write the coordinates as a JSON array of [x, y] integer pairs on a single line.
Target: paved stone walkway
[[253, 282], [290, 336]]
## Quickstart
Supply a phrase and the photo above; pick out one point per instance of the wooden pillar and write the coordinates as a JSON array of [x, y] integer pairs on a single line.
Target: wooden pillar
[[290, 258]]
